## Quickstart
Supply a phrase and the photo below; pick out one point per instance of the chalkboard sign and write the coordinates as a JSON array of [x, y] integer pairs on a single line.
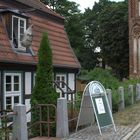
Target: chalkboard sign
[[102, 111], [95, 102]]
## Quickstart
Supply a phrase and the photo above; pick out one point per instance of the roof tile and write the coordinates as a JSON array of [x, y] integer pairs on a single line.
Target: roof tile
[[62, 53]]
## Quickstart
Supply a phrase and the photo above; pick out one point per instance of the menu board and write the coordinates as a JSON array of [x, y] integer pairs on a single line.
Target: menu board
[[100, 106]]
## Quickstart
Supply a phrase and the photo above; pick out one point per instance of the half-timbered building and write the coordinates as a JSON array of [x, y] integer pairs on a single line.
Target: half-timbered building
[[18, 63]]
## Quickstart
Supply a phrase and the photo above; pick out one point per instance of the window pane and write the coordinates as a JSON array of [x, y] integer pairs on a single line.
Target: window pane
[[16, 99], [16, 79], [21, 23], [21, 37], [8, 103], [16, 87], [15, 28], [21, 30], [8, 87], [8, 100], [19, 26], [8, 79], [63, 80], [58, 78], [8, 107], [15, 31]]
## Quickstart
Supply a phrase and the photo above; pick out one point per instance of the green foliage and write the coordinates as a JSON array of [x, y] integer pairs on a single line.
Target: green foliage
[[110, 82], [43, 91], [115, 100], [101, 75], [125, 84], [51, 3], [2, 134], [106, 78], [78, 99], [104, 26], [107, 27], [74, 27]]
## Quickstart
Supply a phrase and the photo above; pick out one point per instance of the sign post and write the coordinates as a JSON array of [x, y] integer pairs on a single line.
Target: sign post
[[95, 103]]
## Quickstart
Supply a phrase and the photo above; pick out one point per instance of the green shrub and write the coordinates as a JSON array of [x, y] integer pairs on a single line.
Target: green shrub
[[115, 101], [125, 84], [109, 81], [101, 75], [43, 91], [106, 78]]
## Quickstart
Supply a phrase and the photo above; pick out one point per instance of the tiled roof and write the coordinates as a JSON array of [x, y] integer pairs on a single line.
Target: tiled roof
[[62, 52], [6, 52], [40, 6], [63, 55]]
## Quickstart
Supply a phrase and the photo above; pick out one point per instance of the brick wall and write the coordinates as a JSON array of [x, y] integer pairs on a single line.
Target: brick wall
[[134, 34]]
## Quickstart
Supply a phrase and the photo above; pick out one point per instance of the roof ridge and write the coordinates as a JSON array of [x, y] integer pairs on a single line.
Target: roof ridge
[[37, 4], [49, 8]]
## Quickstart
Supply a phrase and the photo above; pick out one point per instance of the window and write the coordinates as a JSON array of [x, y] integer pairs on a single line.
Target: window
[[12, 90], [62, 79], [18, 29]]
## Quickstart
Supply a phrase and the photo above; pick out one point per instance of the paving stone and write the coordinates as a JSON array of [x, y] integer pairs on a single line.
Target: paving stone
[[92, 133], [136, 135]]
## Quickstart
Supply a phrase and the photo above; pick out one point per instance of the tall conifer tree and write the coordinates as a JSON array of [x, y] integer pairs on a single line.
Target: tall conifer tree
[[43, 91]]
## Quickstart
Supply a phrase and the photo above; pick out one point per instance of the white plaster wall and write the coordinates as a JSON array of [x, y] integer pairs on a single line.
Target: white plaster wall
[[27, 83], [71, 82], [28, 107]]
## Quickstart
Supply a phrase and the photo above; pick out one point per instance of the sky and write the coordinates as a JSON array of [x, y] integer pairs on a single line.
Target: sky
[[87, 3]]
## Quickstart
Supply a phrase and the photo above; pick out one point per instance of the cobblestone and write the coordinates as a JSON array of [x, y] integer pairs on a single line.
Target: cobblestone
[[92, 133], [135, 135]]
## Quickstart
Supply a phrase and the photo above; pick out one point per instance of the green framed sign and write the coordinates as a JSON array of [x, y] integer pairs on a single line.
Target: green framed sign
[[95, 102], [102, 111]]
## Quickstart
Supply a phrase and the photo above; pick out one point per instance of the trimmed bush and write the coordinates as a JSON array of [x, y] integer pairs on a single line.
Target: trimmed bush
[[43, 91]]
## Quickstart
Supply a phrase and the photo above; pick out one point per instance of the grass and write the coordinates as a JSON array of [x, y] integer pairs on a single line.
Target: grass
[[130, 116]]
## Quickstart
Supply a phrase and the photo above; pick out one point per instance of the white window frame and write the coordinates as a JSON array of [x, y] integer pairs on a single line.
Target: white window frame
[[65, 80], [12, 93], [19, 47]]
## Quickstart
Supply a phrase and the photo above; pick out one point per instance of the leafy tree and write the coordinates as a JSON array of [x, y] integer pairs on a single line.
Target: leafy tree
[[73, 24], [107, 28], [51, 3], [43, 92], [90, 25], [75, 27], [104, 26], [113, 37]]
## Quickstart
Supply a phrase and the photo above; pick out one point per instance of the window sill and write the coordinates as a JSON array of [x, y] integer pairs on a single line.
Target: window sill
[[22, 52], [17, 51]]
